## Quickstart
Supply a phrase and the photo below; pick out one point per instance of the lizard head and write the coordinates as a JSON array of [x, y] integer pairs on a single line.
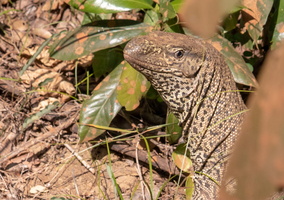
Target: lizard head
[[162, 52], [177, 66]]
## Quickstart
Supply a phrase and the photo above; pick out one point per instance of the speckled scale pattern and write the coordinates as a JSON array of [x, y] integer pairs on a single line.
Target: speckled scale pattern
[[197, 85]]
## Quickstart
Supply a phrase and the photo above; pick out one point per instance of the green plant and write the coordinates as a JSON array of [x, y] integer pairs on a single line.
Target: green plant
[[105, 38], [251, 30]]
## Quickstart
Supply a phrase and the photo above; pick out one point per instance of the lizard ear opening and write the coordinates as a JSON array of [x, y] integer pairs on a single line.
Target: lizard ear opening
[[192, 66], [191, 71]]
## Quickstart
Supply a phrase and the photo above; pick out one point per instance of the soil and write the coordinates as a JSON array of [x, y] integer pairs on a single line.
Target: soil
[[42, 158]]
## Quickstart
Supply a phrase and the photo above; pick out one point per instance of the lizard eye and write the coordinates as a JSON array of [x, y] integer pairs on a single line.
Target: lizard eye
[[179, 54]]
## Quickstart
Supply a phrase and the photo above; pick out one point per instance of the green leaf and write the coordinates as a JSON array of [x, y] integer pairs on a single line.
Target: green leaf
[[278, 32], [167, 10], [151, 17], [181, 158], [59, 198], [176, 4], [237, 65], [255, 31], [174, 130], [231, 21], [109, 6], [95, 37], [189, 185], [172, 25], [102, 107], [92, 17], [133, 85], [106, 60]]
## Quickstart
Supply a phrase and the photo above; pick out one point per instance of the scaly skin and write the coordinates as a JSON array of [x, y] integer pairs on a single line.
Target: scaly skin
[[197, 85]]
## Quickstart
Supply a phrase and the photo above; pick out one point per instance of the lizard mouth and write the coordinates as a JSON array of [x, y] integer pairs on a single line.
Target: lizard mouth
[[139, 64], [143, 65]]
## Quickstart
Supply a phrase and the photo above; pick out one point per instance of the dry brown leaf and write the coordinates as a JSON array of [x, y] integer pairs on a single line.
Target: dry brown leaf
[[23, 4], [44, 60], [37, 189], [19, 32], [50, 5], [42, 33], [3, 2], [43, 57], [40, 28], [43, 104], [20, 25], [53, 83]]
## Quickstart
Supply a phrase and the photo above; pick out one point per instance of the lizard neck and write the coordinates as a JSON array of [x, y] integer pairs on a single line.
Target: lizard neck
[[210, 113], [212, 129]]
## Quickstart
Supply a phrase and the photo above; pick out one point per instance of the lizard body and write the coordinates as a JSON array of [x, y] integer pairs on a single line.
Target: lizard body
[[197, 85]]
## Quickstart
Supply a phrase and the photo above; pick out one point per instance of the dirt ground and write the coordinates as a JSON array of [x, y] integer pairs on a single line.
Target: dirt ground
[[42, 159]]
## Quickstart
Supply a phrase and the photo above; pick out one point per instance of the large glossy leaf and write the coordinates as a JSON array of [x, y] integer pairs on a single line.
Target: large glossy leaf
[[133, 85], [102, 107], [237, 65], [278, 32], [106, 60], [95, 37], [109, 6]]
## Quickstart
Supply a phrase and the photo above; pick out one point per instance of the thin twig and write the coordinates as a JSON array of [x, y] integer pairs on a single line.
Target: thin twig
[[84, 163], [30, 143], [139, 171]]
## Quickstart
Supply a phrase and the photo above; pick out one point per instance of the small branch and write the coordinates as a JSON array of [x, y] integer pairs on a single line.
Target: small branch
[[158, 162], [84, 163]]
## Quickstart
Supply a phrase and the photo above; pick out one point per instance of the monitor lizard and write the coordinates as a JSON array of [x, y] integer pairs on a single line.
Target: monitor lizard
[[198, 87]]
